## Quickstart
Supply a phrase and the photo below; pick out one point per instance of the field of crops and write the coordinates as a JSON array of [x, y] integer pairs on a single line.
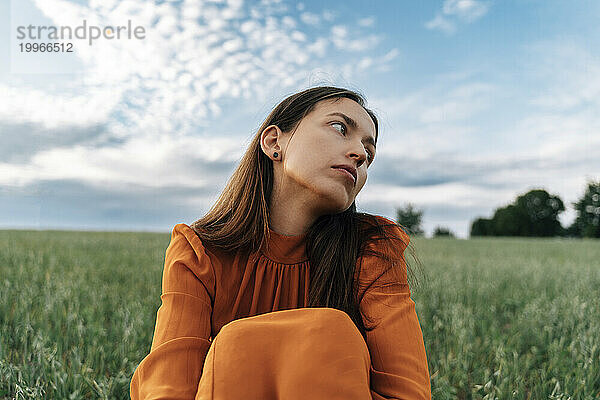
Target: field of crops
[[502, 318]]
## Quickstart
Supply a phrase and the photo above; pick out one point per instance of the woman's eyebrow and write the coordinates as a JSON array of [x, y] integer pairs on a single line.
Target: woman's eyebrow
[[353, 125]]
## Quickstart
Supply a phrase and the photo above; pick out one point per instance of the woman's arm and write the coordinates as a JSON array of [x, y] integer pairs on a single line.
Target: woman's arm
[[174, 365], [398, 360]]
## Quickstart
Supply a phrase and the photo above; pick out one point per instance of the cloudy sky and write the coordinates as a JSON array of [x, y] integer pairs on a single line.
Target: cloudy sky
[[478, 101]]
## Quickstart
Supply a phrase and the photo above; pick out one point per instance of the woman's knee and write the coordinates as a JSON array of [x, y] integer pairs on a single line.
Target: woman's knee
[[314, 319], [332, 317]]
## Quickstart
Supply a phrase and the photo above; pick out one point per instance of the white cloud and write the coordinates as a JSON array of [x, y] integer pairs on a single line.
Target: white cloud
[[288, 22], [441, 23], [436, 195], [455, 11], [468, 10], [368, 21], [390, 55], [28, 104], [328, 15], [341, 39], [365, 63], [137, 161], [142, 100], [318, 47], [181, 70], [310, 18]]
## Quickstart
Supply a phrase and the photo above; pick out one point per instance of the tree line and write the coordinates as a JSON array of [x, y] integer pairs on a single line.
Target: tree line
[[534, 213]]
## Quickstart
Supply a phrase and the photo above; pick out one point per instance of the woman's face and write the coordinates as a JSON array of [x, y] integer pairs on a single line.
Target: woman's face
[[323, 139]]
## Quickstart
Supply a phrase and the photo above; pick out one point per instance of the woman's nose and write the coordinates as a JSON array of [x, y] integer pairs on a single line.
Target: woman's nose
[[360, 155]]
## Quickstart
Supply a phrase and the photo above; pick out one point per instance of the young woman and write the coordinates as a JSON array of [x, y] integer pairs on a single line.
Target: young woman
[[283, 290]]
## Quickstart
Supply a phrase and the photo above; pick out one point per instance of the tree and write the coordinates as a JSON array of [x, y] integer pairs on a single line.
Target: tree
[[534, 213], [508, 221], [539, 211], [442, 231], [482, 227], [410, 218], [587, 221]]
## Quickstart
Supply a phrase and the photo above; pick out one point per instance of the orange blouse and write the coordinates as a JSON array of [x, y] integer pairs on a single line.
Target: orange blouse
[[203, 289]]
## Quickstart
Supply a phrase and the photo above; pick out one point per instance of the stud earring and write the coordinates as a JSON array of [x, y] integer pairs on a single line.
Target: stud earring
[[275, 154]]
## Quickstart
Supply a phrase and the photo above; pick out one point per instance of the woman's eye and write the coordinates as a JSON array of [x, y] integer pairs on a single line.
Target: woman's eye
[[343, 130]]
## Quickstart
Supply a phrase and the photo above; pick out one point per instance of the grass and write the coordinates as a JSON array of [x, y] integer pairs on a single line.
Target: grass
[[502, 318], [514, 318]]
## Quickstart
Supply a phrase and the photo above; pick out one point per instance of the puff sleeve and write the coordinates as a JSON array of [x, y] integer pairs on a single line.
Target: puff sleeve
[[182, 332], [398, 361]]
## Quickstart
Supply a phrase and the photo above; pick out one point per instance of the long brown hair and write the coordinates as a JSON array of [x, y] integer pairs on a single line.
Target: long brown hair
[[334, 243]]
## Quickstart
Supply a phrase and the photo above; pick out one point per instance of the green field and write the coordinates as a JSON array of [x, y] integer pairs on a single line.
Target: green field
[[502, 318]]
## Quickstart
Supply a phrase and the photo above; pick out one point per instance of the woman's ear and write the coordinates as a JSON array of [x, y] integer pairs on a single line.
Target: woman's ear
[[271, 141]]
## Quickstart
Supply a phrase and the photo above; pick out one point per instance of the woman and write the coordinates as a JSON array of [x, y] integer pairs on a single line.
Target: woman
[[283, 290]]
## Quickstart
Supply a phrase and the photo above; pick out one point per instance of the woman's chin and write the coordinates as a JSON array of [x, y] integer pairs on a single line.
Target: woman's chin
[[340, 201]]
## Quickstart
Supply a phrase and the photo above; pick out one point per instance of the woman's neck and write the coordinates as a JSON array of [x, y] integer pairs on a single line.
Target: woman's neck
[[289, 215]]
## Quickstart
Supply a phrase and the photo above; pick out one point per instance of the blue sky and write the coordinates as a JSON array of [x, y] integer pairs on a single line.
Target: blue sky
[[478, 101]]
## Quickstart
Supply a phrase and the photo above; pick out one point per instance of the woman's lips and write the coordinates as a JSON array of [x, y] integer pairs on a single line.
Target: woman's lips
[[347, 173]]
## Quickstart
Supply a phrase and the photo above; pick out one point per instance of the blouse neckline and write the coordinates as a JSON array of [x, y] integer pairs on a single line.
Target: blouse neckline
[[285, 249]]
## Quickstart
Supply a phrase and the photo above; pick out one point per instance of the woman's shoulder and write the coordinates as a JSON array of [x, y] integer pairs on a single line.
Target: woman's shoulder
[[383, 257], [183, 235], [391, 229], [187, 263], [184, 230]]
